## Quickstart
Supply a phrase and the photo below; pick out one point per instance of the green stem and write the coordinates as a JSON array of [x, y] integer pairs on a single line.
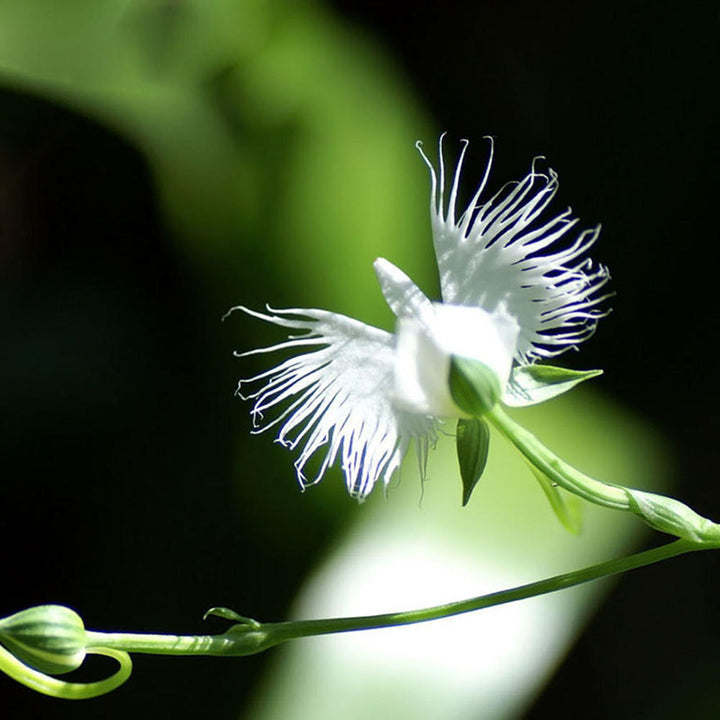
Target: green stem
[[558, 470], [249, 637], [246, 639], [660, 512], [47, 685], [308, 628], [155, 644]]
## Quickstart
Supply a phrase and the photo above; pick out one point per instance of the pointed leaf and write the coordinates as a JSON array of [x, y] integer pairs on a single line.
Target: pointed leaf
[[473, 441], [567, 507], [532, 384]]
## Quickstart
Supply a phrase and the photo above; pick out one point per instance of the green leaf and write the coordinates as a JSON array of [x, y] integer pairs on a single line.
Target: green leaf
[[568, 508], [532, 384], [473, 441]]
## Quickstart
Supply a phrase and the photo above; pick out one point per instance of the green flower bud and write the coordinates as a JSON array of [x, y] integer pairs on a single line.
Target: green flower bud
[[48, 638], [474, 387], [673, 517]]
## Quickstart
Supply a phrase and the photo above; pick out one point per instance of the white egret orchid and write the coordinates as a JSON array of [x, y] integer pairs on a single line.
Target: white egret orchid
[[507, 301]]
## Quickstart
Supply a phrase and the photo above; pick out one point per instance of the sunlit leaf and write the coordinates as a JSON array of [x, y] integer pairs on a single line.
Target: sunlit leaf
[[532, 384]]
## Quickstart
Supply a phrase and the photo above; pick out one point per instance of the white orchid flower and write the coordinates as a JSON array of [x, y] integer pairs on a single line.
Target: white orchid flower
[[507, 301]]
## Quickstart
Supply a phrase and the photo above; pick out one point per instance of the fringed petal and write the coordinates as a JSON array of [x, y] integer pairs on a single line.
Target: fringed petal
[[492, 255], [336, 399]]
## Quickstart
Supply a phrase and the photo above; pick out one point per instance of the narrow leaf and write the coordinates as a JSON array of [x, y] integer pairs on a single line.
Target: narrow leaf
[[473, 441]]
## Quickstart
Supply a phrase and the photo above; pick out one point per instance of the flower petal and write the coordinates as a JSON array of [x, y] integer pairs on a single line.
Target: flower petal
[[403, 296], [425, 348], [337, 398], [491, 254]]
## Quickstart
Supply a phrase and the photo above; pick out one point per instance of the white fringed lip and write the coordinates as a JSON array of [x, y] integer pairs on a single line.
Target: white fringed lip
[[334, 398]]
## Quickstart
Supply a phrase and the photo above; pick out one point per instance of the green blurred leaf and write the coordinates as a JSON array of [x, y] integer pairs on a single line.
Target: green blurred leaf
[[473, 443], [270, 130], [568, 508]]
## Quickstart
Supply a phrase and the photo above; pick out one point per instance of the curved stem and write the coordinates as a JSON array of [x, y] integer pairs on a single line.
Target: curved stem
[[308, 628], [658, 511], [558, 470], [247, 639], [47, 685]]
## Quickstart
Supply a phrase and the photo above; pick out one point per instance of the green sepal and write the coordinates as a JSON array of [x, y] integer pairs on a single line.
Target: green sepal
[[531, 384], [567, 507], [474, 387], [473, 441]]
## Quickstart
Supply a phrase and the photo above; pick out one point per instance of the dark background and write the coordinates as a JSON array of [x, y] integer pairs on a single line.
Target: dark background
[[115, 395]]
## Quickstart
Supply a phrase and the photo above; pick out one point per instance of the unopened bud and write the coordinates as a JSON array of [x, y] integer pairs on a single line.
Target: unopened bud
[[48, 638], [673, 517], [474, 387]]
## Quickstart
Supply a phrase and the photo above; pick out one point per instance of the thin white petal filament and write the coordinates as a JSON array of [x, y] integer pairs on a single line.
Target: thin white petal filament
[[493, 255], [336, 399]]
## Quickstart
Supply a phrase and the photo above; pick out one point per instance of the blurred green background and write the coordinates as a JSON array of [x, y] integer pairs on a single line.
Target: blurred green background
[[163, 160]]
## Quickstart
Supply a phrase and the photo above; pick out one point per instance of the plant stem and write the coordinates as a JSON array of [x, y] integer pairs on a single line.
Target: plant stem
[[246, 639], [55, 687], [566, 476]]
